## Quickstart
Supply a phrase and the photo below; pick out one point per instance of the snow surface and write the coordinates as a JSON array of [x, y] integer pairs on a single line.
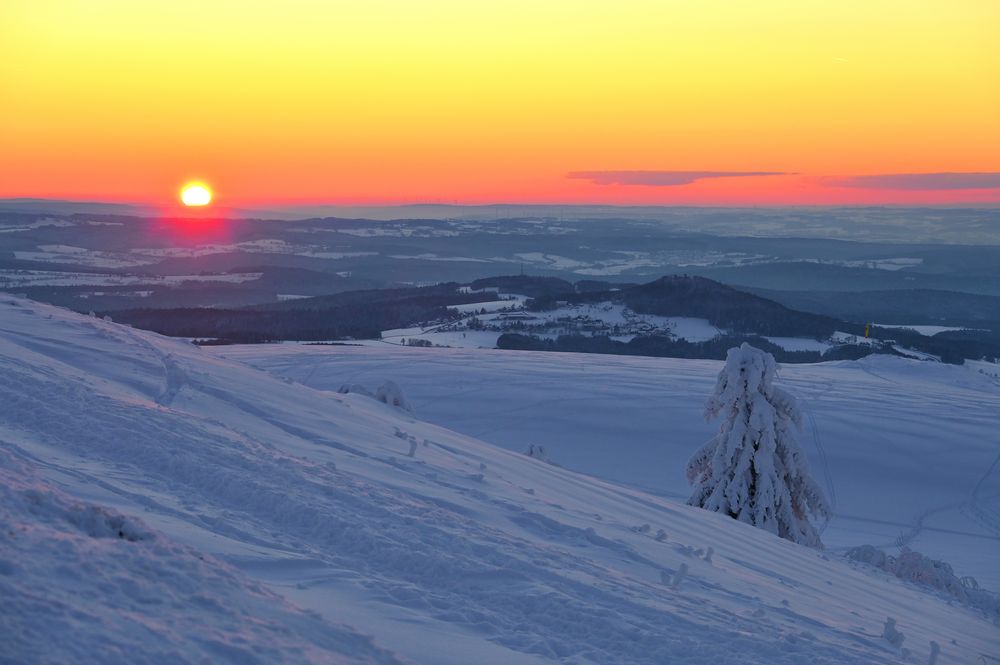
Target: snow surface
[[20, 278], [466, 339], [927, 331], [907, 451], [489, 306], [84, 584], [691, 329], [898, 263], [463, 553]]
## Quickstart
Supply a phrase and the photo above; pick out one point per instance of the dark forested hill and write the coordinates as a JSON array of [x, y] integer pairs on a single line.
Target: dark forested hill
[[698, 297], [900, 307], [354, 314]]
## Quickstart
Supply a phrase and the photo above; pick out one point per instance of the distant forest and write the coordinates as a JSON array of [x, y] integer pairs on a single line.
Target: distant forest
[[350, 315]]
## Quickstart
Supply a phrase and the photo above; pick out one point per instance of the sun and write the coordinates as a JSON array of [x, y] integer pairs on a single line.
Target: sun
[[196, 194]]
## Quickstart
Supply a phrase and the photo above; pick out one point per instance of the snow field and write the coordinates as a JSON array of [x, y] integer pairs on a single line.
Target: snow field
[[464, 552]]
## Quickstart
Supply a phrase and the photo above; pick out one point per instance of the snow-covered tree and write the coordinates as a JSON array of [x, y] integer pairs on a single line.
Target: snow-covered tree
[[753, 470]]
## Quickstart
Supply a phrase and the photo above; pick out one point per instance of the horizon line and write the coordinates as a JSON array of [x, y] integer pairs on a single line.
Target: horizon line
[[287, 205]]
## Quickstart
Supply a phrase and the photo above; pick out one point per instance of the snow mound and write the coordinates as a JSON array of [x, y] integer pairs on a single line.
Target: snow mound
[[84, 584]]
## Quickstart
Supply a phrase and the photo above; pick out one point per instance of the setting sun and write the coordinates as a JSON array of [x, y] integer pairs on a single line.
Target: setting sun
[[196, 194]]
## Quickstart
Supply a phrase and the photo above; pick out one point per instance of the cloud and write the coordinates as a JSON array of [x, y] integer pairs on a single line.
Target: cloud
[[661, 178], [920, 181]]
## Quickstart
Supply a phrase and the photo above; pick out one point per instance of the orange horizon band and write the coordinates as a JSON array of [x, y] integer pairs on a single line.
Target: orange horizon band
[[493, 102]]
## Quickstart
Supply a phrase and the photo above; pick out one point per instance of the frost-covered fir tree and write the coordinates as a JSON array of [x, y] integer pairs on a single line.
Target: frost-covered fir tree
[[754, 470]]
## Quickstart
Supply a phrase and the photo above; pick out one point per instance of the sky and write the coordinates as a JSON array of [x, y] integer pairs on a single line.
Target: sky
[[717, 102]]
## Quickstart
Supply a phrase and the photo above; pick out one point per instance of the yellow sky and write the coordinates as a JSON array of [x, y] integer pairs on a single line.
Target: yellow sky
[[304, 100]]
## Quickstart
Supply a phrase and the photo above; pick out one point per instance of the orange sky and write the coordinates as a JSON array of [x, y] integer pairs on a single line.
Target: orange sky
[[401, 101]]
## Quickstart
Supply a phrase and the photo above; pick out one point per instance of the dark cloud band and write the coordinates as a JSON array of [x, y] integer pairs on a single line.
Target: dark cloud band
[[661, 178], [920, 181]]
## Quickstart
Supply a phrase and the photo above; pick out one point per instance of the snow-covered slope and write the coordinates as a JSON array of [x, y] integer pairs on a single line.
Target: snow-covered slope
[[84, 584], [462, 553], [908, 451]]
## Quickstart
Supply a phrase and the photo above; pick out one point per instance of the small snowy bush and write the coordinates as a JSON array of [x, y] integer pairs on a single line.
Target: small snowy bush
[[891, 635], [919, 569], [538, 452], [392, 394], [388, 393], [754, 470]]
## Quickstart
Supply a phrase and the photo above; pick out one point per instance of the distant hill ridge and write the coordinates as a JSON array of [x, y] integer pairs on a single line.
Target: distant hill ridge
[[364, 314]]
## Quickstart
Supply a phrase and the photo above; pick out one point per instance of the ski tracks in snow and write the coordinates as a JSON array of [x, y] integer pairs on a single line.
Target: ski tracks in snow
[[174, 376], [820, 449], [978, 507]]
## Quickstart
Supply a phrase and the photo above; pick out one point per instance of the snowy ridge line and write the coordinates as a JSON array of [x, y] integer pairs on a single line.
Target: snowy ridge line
[[503, 558]]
